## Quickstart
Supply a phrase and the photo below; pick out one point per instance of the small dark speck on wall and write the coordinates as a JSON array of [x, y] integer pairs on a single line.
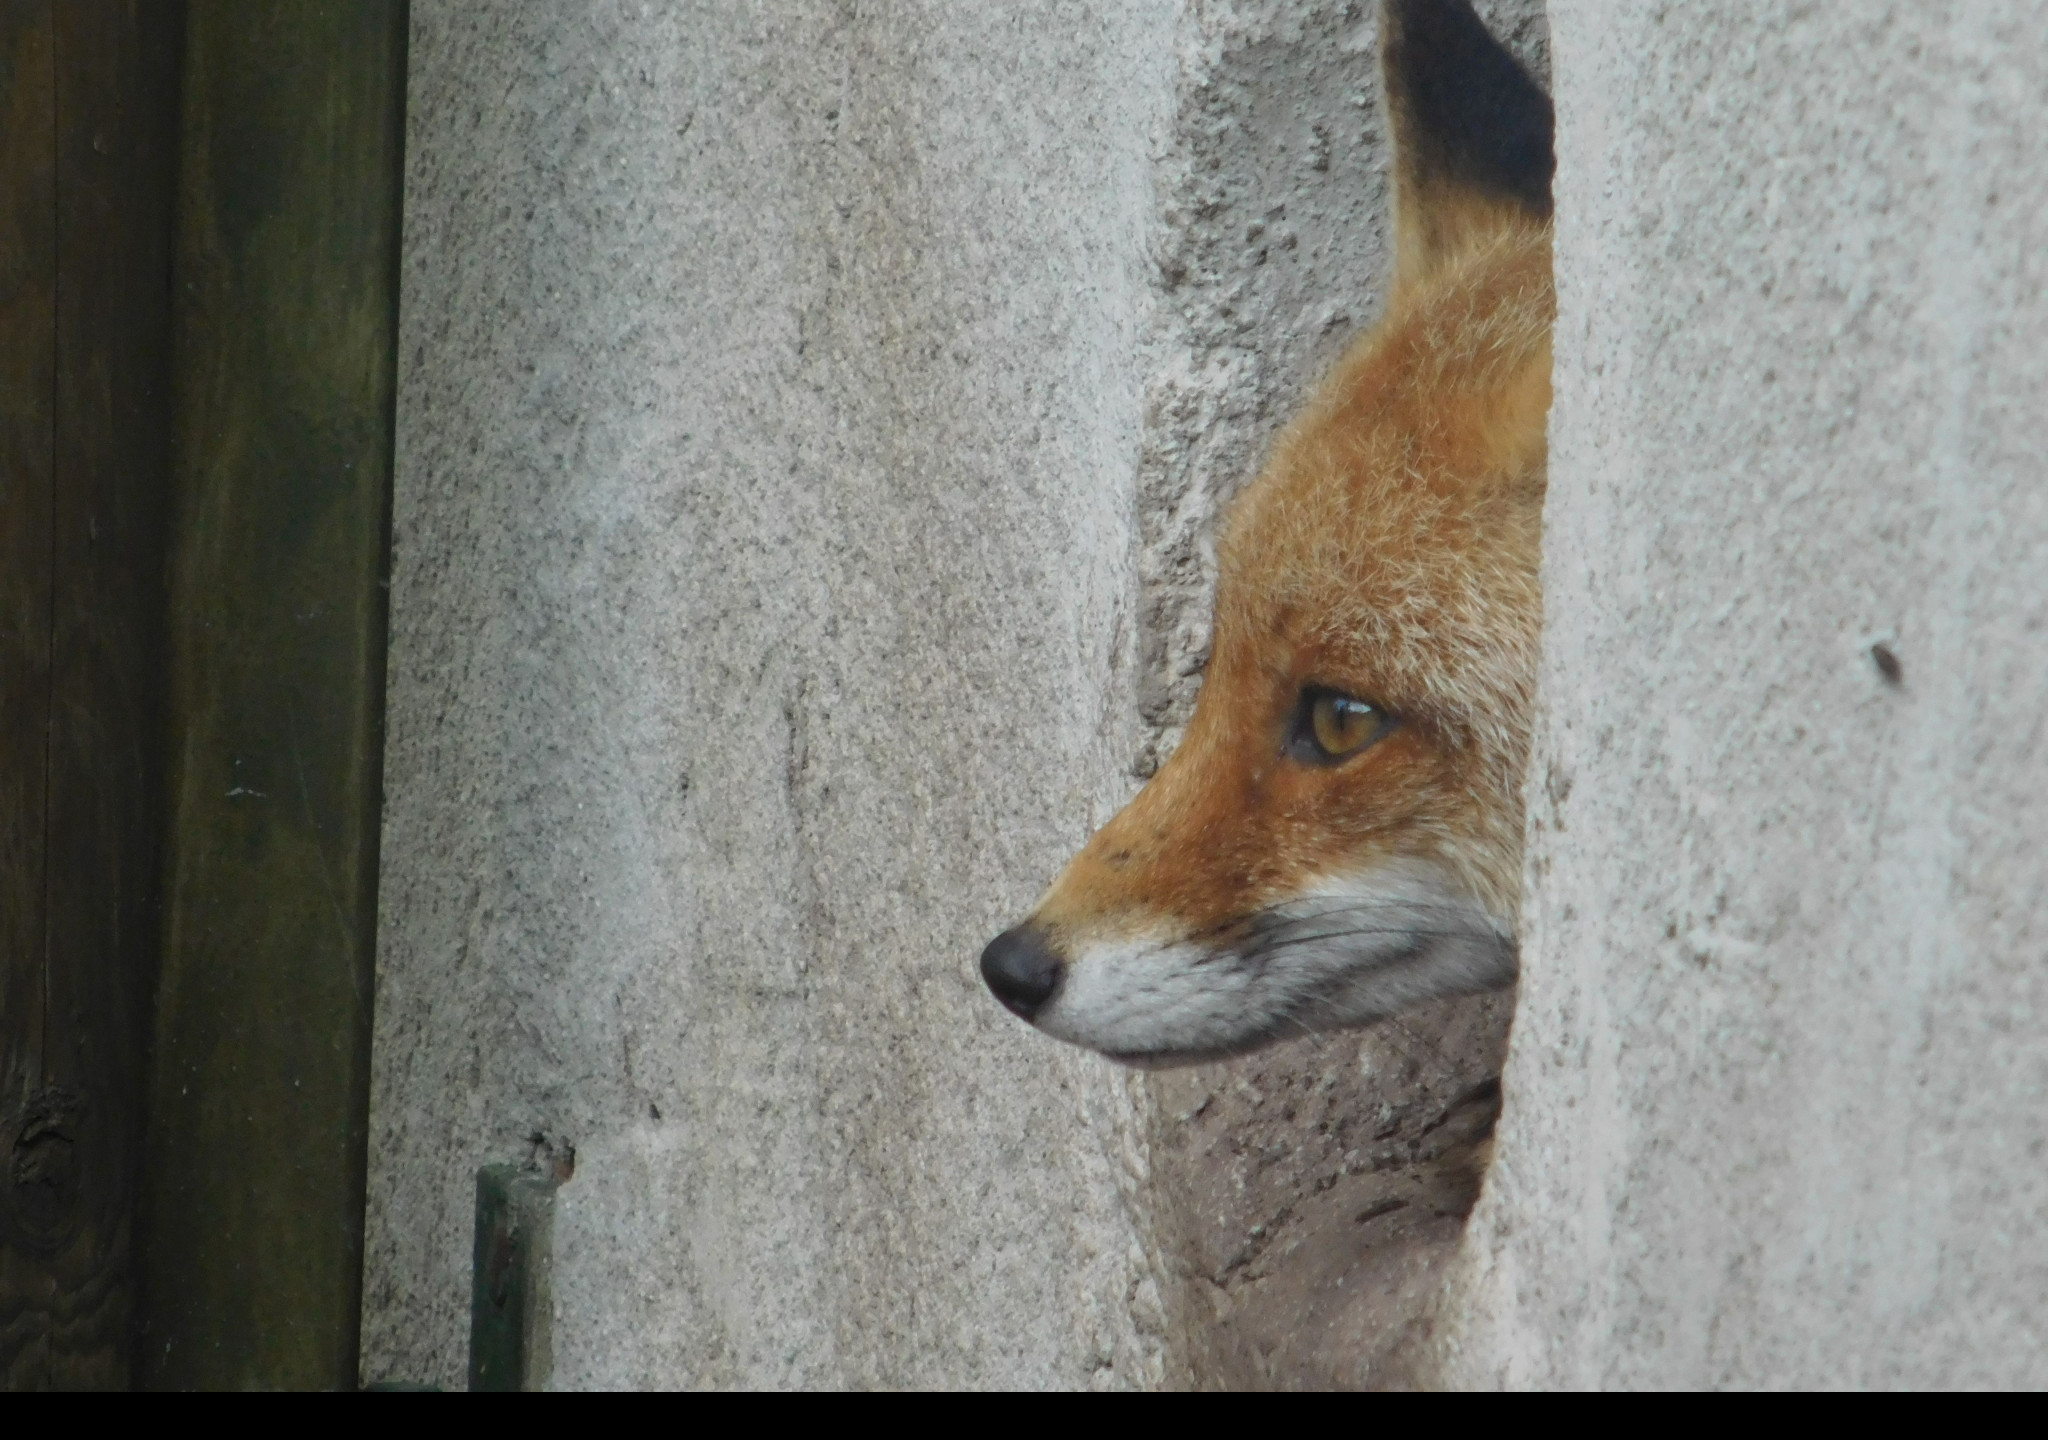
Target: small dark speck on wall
[[1887, 662]]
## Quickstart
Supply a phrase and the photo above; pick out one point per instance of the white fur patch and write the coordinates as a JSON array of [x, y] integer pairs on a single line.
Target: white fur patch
[[1349, 950]]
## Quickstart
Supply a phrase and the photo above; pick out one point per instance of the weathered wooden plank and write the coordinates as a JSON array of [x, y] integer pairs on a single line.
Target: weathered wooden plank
[[28, 360], [117, 111], [286, 280], [87, 107]]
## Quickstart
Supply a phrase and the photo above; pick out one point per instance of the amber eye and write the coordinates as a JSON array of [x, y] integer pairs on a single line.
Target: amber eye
[[1332, 726]]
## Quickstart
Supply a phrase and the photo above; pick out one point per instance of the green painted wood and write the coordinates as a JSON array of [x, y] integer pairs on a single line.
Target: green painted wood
[[286, 278], [102, 84]]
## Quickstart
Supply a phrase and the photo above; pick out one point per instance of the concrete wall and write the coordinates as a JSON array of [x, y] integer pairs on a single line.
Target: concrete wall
[[811, 423], [763, 556], [1777, 1104]]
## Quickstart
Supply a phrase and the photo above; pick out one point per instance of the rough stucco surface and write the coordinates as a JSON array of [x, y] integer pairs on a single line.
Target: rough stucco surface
[[1777, 1101], [812, 424], [762, 550]]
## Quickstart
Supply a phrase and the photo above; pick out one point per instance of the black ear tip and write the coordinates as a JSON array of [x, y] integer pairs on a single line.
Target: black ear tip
[[1467, 107]]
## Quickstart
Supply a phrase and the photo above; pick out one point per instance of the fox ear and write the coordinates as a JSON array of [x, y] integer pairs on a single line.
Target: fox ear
[[1472, 134]]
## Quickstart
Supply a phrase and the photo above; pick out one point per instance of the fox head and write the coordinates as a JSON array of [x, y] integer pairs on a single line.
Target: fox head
[[1339, 835]]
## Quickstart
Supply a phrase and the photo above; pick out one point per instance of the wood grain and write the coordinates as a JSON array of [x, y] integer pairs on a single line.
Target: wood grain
[[117, 94], [287, 287], [90, 148], [28, 360]]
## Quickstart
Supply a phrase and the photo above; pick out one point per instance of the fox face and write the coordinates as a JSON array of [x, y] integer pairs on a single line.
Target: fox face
[[1339, 835]]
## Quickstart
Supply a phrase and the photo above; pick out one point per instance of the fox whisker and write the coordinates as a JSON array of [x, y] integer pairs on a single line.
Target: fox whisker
[[1275, 944]]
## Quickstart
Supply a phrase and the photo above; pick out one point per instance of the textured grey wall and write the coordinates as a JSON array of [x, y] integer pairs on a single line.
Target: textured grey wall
[[1777, 1103], [763, 550], [811, 426]]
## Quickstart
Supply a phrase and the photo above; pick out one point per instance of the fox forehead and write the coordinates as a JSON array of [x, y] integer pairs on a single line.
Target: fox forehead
[[1390, 545]]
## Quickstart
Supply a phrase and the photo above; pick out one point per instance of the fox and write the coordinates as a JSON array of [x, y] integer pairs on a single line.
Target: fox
[[1338, 836]]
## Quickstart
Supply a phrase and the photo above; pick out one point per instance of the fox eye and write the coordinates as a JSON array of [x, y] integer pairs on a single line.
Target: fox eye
[[1331, 726]]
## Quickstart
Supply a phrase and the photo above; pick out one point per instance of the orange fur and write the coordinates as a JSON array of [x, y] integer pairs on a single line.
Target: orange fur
[[1389, 550]]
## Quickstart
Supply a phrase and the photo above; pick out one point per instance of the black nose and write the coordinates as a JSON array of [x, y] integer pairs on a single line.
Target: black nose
[[1022, 968]]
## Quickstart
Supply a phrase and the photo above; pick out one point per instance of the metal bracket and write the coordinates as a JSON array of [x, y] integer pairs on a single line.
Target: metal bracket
[[510, 1301]]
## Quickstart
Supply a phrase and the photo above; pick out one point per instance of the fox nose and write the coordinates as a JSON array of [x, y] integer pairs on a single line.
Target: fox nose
[[1022, 968]]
